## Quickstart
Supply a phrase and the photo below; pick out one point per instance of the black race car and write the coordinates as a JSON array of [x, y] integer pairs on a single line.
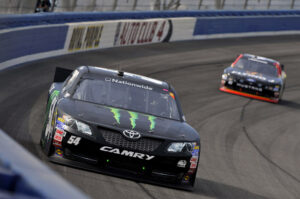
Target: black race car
[[255, 77], [121, 124]]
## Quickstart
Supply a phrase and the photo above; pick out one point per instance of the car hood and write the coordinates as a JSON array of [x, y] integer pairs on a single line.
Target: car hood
[[121, 119], [252, 77]]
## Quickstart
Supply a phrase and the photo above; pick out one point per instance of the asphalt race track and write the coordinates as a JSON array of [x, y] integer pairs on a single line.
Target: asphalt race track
[[250, 148]]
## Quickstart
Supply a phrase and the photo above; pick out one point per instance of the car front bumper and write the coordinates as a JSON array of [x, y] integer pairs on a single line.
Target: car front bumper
[[241, 93]]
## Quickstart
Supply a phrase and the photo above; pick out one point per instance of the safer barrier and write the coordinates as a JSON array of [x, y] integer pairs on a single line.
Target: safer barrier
[[31, 37], [23, 176], [13, 21]]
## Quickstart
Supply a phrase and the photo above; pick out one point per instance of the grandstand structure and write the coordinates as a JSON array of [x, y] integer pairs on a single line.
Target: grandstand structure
[[28, 6]]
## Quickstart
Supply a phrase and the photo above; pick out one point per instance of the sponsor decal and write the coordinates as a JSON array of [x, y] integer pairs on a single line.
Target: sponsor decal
[[186, 178], [60, 125], [152, 122], [249, 75], [116, 113], [58, 137], [251, 80], [195, 152], [249, 87], [124, 82], [56, 143], [194, 158], [58, 152], [61, 119], [127, 153], [141, 32], [172, 95], [85, 37], [133, 117]]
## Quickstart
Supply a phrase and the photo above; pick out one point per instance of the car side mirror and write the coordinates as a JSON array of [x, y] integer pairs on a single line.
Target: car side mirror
[[282, 67]]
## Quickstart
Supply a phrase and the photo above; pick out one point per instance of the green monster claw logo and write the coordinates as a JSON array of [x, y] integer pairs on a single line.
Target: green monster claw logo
[[133, 117], [152, 122], [116, 113]]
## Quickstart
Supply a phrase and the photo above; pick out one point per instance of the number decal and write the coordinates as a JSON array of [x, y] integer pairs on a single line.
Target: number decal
[[74, 140]]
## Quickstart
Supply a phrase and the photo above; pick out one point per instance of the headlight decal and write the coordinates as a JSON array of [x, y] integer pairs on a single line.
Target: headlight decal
[[75, 124], [83, 128], [177, 147]]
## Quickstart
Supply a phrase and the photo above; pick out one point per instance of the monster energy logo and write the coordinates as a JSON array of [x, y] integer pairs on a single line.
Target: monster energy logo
[[152, 122], [116, 113], [133, 118]]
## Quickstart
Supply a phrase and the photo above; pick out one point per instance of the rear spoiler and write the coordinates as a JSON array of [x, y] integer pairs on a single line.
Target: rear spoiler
[[61, 74]]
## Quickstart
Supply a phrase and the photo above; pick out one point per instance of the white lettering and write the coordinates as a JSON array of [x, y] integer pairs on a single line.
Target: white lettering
[[139, 155], [116, 151], [105, 148], [126, 153], [149, 157]]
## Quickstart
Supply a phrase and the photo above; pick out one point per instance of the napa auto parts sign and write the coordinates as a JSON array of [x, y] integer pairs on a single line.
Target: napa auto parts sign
[[143, 32]]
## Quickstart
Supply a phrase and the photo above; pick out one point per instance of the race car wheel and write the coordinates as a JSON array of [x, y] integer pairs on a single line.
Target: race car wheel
[[48, 148]]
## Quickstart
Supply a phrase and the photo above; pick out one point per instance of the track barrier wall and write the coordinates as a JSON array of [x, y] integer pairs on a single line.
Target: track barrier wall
[[32, 37], [25, 38]]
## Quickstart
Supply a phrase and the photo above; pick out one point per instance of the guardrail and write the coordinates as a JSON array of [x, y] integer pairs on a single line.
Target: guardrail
[[23, 176]]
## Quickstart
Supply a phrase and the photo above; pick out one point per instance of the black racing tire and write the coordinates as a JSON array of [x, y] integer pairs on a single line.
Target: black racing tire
[[48, 147]]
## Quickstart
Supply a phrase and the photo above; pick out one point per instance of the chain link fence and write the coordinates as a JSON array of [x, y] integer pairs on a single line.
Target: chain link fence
[[29, 6]]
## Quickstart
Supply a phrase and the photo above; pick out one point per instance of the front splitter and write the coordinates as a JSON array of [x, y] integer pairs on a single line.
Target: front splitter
[[228, 90], [116, 173]]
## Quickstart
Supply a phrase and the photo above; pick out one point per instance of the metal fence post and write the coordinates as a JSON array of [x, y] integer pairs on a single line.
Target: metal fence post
[[293, 4], [269, 4], [223, 4], [218, 4], [200, 4], [245, 4], [134, 4], [115, 5]]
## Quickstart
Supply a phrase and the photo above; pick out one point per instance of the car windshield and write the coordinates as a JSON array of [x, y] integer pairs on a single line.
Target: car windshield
[[257, 66], [128, 95]]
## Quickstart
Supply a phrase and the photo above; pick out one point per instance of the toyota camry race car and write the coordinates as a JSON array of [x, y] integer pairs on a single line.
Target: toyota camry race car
[[255, 77], [120, 124]]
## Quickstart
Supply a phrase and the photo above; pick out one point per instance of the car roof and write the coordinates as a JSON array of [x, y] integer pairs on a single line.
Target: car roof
[[125, 75]]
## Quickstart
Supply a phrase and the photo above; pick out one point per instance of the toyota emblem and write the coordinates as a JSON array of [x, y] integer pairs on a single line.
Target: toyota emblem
[[131, 134]]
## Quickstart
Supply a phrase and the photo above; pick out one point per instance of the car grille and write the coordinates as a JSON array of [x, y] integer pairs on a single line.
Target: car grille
[[143, 144]]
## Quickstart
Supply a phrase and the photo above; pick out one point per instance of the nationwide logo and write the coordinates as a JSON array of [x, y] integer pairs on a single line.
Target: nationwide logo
[[132, 154]]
